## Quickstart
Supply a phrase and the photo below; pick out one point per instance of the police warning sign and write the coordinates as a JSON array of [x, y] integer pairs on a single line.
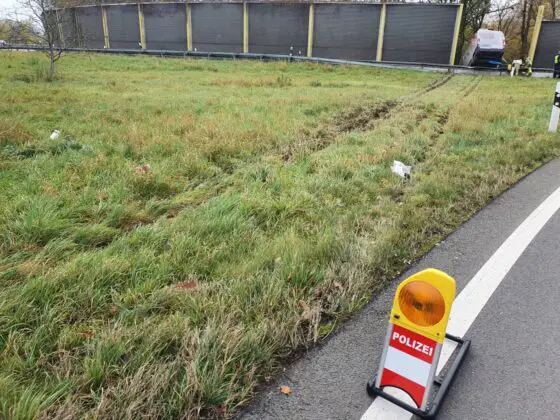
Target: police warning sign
[[408, 363], [416, 333]]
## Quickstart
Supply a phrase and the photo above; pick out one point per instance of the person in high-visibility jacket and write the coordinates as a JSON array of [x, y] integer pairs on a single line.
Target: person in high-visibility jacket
[[556, 65], [528, 67]]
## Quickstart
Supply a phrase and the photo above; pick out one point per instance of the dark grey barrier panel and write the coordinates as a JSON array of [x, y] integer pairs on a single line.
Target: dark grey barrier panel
[[274, 28], [90, 27], [347, 31], [419, 33], [67, 19], [548, 45], [166, 26], [217, 27], [124, 31]]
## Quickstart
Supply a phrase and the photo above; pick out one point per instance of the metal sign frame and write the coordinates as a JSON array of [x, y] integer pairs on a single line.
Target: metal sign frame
[[444, 382]]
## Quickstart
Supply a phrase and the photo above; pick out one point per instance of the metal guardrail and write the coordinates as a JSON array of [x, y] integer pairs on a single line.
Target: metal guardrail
[[276, 57]]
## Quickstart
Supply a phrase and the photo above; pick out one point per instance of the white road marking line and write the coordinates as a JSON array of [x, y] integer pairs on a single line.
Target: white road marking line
[[476, 294]]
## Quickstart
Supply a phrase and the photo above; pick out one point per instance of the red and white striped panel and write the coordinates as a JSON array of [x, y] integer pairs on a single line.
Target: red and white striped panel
[[408, 363]]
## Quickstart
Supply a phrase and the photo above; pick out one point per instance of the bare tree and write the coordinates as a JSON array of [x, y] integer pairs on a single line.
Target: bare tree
[[502, 15], [15, 31], [525, 17], [553, 5], [42, 16]]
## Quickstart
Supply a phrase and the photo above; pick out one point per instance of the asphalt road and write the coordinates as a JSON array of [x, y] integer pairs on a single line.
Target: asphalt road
[[512, 370]]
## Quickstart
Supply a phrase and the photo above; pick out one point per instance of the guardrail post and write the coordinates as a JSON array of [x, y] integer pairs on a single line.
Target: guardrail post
[[141, 27], [106, 41], [189, 28], [553, 125], [310, 29], [381, 33], [59, 27], [536, 33], [245, 27], [458, 20]]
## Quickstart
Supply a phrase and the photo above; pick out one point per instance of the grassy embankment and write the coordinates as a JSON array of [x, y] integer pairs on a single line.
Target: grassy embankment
[[267, 215]]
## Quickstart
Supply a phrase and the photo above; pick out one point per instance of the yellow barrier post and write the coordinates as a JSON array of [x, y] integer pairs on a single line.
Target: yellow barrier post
[[141, 27], [536, 33], [106, 40], [310, 29], [381, 34], [458, 20], [245, 27], [189, 28]]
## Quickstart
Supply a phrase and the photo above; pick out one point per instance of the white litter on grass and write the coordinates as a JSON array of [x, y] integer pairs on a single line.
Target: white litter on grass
[[401, 169], [55, 134]]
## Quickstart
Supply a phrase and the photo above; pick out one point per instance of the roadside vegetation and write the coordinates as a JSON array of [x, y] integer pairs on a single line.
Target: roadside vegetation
[[196, 223]]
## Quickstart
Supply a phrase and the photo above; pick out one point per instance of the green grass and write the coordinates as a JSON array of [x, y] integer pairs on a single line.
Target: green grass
[[197, 222]]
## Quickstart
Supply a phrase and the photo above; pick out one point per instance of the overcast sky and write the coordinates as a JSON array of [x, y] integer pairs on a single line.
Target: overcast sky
[[7, 6]]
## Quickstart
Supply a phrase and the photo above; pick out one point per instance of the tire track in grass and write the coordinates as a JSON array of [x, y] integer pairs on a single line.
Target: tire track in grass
[[360, 117], [472, 87], [438, 83]]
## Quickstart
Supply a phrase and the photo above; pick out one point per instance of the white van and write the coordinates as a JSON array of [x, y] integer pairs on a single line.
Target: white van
[[486, 48]]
